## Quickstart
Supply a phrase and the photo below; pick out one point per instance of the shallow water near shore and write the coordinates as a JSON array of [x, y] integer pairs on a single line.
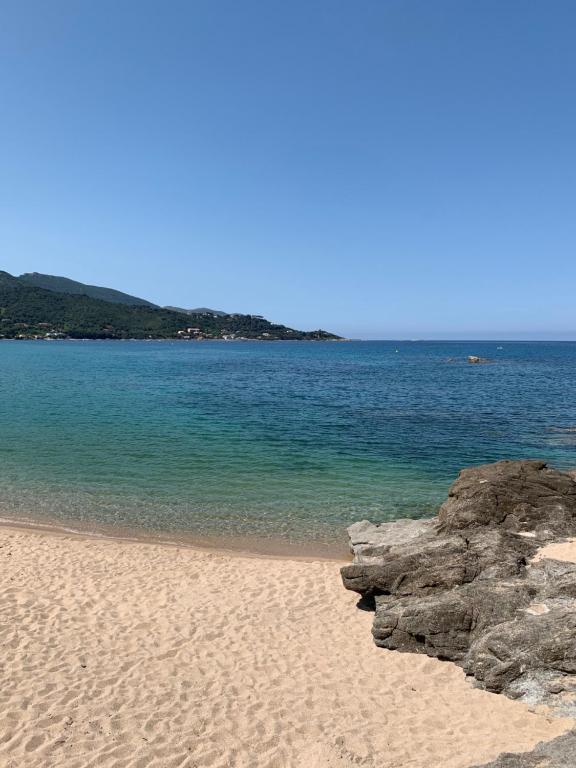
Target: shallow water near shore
[[288, 441]]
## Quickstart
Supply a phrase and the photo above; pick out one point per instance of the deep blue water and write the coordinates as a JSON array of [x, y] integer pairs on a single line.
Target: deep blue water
[[287, 439]]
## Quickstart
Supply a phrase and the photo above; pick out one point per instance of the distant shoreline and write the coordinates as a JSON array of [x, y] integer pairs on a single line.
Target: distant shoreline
[[316, 341], [184, 341]]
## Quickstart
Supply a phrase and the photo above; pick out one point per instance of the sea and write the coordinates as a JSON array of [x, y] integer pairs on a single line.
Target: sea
[[268, 442]]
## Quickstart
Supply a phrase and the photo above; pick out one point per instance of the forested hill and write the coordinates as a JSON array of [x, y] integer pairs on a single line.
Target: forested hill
[[28, 312], [65, 285]]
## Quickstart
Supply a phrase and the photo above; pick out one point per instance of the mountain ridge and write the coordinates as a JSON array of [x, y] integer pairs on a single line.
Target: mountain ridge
[[198, 311], [31, 312], [59, 284]]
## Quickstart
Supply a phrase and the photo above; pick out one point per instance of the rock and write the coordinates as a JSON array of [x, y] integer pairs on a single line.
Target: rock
[[421, 565], [558, 753], [437, 625], [473, 359], [368, 542], [462, 587], [543, 638], [434, 562], [522, 496], [444, 625]]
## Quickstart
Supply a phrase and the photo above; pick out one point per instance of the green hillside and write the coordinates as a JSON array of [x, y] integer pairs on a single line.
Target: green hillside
[[65, 285], [31, 312]]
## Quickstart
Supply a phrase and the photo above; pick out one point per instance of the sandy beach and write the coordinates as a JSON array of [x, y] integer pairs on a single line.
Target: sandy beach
[[121, 654]]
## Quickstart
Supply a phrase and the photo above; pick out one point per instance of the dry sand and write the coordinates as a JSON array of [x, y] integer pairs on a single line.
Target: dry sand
[[563, 550], [118, 654]]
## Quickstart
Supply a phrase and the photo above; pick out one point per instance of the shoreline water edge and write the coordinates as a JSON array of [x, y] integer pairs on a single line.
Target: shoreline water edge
[[241, 546]]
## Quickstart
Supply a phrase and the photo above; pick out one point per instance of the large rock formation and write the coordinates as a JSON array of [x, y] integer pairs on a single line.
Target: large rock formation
[[462, 586]]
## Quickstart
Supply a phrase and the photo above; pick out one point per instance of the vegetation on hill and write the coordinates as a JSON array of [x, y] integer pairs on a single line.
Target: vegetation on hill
[[65, 285], [29, 312]]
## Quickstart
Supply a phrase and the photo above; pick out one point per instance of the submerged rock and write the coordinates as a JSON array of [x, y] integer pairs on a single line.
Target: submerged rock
[[462, 586]]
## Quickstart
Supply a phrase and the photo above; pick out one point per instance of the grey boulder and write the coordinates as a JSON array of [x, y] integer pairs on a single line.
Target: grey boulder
[[463, 586]]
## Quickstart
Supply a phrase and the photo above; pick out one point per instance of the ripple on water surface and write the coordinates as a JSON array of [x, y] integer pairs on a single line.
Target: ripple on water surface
[[292, 440]]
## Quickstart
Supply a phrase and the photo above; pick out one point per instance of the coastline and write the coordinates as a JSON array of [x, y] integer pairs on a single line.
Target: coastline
[[175, 338], [238, 546], [125, 653]]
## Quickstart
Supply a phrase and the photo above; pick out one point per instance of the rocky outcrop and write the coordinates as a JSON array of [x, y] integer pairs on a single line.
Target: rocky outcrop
[[558, 753], [519, 496], [370, 542], [463, 587]]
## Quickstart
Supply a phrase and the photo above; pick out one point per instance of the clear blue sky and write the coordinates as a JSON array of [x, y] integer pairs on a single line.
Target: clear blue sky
[[381, 168]]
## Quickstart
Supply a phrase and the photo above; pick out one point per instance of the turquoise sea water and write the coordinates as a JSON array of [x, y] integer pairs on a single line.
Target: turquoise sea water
[[283, 440]]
